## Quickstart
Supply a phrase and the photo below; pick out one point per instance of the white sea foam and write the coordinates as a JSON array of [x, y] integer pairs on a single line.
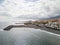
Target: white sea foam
[[50, 33]]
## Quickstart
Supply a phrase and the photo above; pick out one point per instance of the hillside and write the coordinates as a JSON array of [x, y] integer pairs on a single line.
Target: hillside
[[52, 23]]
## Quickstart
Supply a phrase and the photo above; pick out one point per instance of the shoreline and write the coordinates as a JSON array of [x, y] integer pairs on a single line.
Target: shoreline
[[32, 26]]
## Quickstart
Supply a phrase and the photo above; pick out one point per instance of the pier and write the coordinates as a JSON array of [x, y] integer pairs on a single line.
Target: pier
[[19, 26], [12, 26]]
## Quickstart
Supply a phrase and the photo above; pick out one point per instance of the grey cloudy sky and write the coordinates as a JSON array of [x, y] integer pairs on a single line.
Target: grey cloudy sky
[[29, 8]]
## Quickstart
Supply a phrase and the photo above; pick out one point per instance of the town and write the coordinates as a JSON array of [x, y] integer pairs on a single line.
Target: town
[[52, 23], [38, 24]]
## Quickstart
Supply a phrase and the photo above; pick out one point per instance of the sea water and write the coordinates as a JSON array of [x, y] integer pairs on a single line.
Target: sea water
[[27, 36]]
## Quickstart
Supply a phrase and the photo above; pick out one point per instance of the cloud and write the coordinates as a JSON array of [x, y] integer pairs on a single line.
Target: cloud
[[1, 1], [31, 0], [31, 8], [3, 12]]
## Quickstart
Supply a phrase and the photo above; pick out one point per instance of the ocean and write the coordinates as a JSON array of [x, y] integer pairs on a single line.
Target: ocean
[[27, 36]]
